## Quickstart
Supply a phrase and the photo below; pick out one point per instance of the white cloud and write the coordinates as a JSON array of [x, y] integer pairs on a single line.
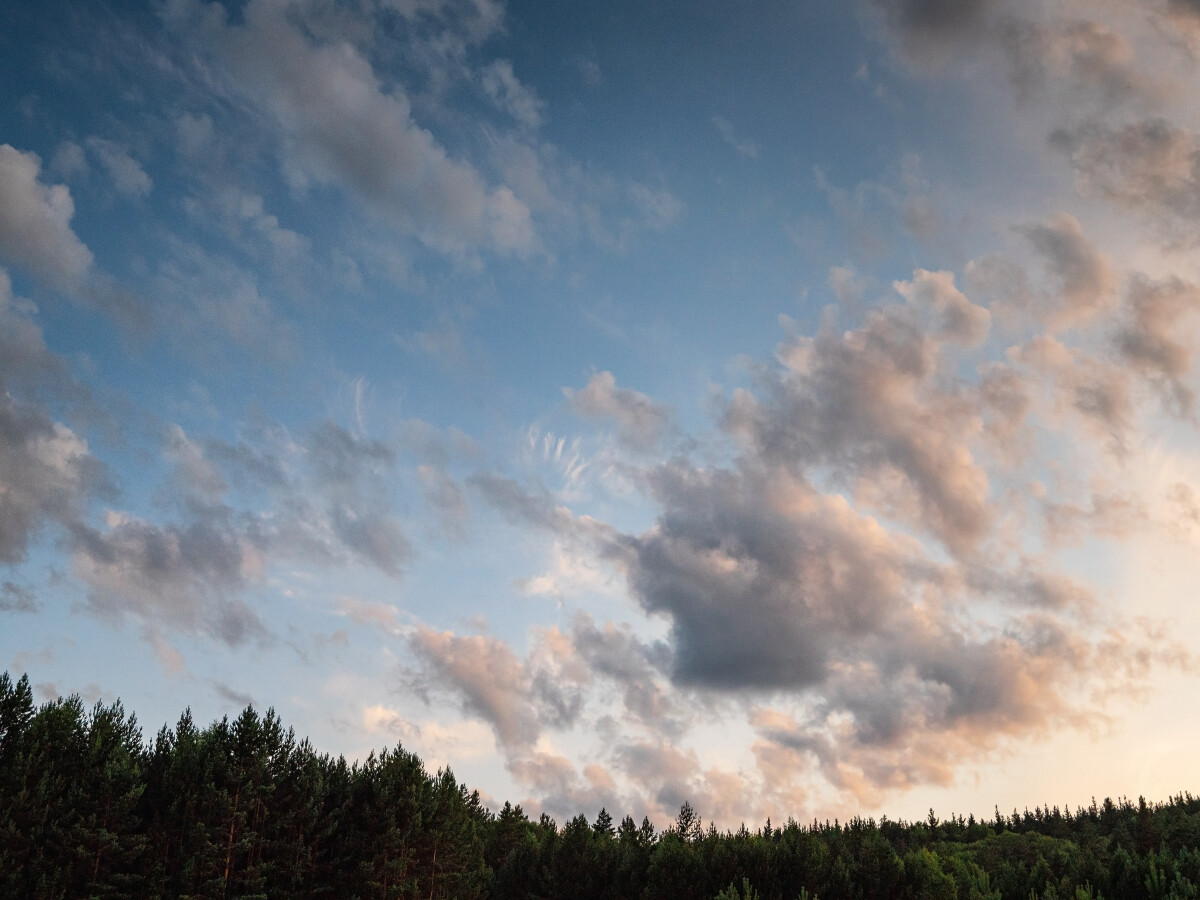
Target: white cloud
[[746, 148], [35, 223], [126, 173], [511, 96], [339, 124]]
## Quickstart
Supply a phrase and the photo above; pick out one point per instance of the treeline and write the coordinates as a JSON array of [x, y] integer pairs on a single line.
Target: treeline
[[243, 809]]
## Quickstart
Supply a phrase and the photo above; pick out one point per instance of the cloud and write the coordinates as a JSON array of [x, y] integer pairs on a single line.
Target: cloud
[[340, 125], [69, 160], [503, 88], [47, 472], [447, 500], [384, 616], [761, 577], [1085, 60], [960, 320], [183, 577], [127, 174], [46, 475], [331, 499], [229, 695], [875, 406], [563, 790], [197, 475], [516, 697], [1152, 338], [27, 365], [326, 506], [1151, 166], [1091, 388], [35, 224], [641, 423], [746, 148], [15, 598], [929, 30], [615, 653], [243, 217], [1085, 280], [538, 508]]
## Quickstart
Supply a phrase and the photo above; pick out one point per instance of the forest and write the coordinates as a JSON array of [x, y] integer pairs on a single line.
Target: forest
[[244, 809]]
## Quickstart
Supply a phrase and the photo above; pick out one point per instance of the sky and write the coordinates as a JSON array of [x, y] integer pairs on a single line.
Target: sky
[[787, 408]]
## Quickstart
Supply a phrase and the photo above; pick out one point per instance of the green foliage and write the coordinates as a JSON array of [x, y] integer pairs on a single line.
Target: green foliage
[[241, 809], [746, 892]]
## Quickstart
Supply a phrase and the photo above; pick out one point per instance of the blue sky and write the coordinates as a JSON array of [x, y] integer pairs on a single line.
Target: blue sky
[[788, 408]]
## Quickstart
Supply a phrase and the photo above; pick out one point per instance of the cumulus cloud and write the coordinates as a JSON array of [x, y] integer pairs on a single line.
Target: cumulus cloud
[[754, 568], [46, 475], [1152, 166], [1153, 340], [339, 124], [516, 697], [775, 589], [184, 577], [35, 223], [877, 408], [641, 423], [960, 320], [1089, 387], [1084, 278]]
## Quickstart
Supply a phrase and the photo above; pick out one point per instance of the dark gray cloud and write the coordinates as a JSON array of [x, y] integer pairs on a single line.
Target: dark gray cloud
[[614, 652], [928, 31], [1084, 279], [1152, 166], [757, 572], [185, 577], [15, 598], [1154, 336], [238, 698]]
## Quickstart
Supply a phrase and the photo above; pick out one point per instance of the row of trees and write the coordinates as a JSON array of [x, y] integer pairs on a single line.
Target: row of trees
[[243, 809]]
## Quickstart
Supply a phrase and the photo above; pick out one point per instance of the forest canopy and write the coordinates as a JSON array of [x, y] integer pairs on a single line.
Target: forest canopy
[[243, 808]]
